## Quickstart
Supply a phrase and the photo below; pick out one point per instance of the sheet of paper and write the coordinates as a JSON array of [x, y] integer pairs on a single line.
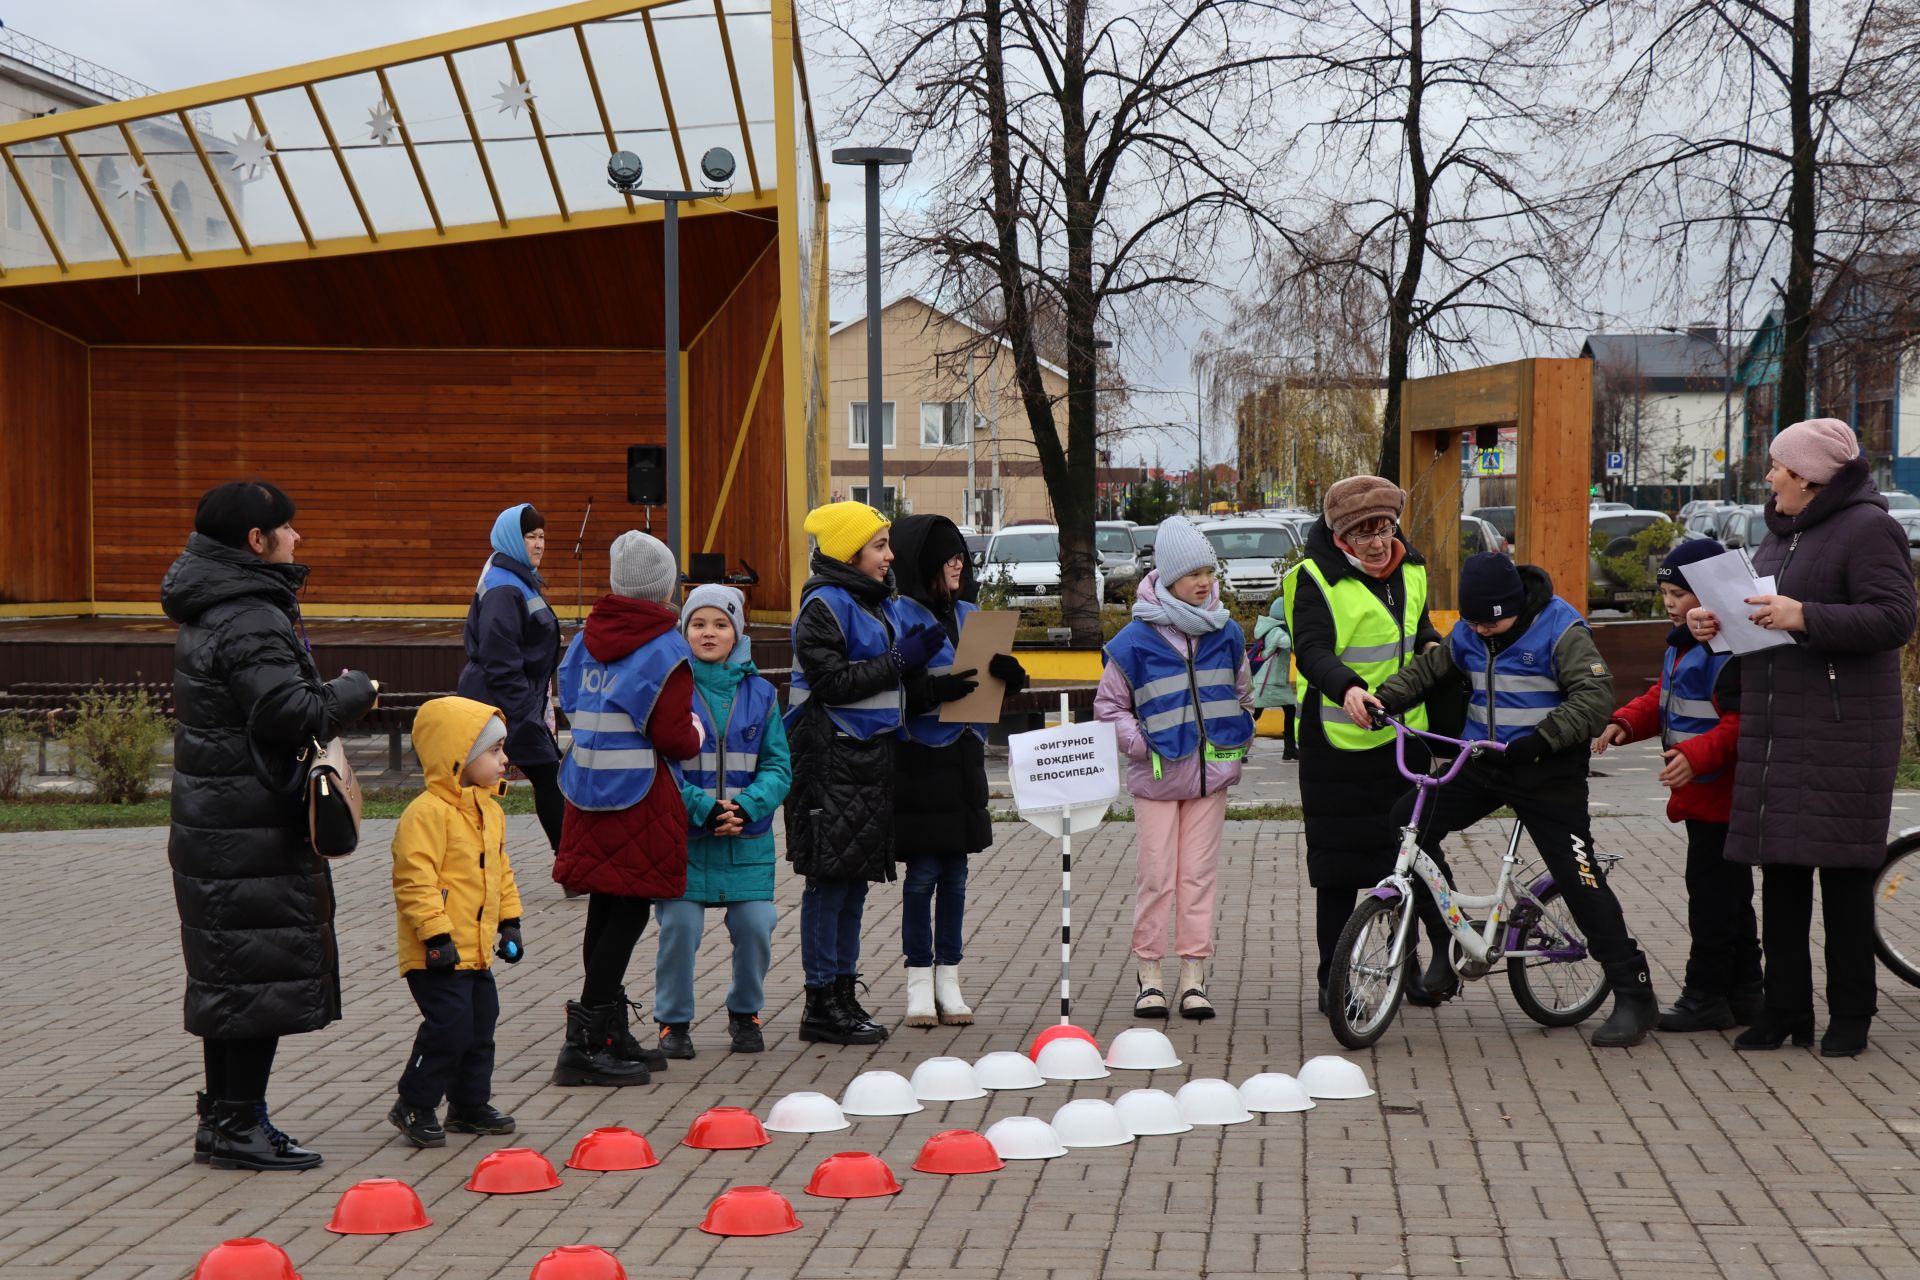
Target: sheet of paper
[[985, 633], [1723, 583]]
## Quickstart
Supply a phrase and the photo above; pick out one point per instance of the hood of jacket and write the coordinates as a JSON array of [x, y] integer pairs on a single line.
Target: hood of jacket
[[1539, 587], [1332, 561], [210, 573], [444, 731], [618, 625], [838, 573], [1851, 486], [922, 546]]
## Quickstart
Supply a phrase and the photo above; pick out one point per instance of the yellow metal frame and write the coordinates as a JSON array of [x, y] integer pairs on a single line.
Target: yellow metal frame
[[786, 181]]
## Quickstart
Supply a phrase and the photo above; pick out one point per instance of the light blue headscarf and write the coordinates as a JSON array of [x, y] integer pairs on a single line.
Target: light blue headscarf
[[507, 538]]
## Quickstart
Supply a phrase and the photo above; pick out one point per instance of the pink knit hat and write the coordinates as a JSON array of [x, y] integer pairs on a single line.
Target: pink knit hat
[[1816, 449]]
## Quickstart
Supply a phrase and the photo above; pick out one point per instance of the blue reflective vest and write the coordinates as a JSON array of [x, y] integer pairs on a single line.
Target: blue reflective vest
[[927, 728], [499, 576], [1686, 694], [611, 763], [1184, 704], [730, 757], [867, 637], [1523, 687]]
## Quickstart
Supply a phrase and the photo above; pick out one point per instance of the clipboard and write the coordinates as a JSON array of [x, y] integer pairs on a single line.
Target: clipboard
[[984, 633]]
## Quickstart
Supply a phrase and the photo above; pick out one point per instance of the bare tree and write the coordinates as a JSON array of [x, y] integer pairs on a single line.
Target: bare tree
[[1098, 164]]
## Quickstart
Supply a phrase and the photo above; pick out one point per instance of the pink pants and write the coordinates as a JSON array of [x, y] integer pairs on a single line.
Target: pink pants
[[1179, 850]]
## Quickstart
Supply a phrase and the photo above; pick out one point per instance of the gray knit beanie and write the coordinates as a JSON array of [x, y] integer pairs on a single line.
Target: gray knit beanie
[[713, 595], [1179, 548], [643, 568]]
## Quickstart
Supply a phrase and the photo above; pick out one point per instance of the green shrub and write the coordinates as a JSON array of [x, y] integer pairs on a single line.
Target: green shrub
[[115, 741], [16, 746]]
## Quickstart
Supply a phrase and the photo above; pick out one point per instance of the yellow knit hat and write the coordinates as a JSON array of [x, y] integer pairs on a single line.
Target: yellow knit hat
[[842, 528]]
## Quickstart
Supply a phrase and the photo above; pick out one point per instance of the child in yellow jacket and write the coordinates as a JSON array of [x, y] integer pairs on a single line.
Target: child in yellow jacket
[[456, 907]]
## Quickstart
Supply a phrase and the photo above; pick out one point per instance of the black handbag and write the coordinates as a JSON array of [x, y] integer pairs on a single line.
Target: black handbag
[[333, 800]]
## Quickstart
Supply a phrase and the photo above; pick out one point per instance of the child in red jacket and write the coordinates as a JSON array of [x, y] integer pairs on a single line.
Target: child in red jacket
[[1696, 711]]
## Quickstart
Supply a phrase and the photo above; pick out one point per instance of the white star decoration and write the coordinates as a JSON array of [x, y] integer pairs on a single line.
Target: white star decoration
[[127, 186], [380, 123], [249, 155], [513, 95]]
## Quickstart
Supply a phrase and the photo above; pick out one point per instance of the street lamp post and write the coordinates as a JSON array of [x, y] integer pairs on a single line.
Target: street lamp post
[[623, 175], [871, 158]]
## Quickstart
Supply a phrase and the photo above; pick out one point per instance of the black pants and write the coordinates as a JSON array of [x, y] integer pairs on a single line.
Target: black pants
[[453, 1050], [1332, 908], [237, 1070], [548, 803], [1786, 922], [614, 926], [1554, 813], [1725, 952], [1290, 744]]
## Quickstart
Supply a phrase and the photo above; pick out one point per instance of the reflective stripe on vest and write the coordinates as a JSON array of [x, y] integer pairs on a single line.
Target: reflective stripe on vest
[[733, 746], [866, 637], [927, 728], [1166, 684], [611, 764], [1687, 682], [1368, 639], [1522, 687]]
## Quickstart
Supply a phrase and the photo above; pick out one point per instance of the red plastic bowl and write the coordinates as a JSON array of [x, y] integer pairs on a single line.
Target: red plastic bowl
[[579, 1262], [246, 1259], [611, 1150], [958, 1151], [513, 1171], [378, 1207], [853, 1175], [727, 1129], [1064, 1031], [750, 1211]]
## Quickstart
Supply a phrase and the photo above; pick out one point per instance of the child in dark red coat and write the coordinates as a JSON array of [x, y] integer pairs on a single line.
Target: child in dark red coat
[[1695, 710]]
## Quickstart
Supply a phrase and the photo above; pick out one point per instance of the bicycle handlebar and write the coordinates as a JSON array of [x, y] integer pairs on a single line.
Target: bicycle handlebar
[[1423, 780]]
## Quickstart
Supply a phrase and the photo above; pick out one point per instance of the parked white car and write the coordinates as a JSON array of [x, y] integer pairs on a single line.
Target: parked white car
[[1251, 548], [1027, 556]]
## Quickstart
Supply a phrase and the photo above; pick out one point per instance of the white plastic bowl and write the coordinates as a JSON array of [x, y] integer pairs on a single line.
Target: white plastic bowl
[[1150, 1112], [1007, 1069], [1141, 1049], [1211, 1102], [1065, 1059], [880, 1093], [946, 1080], [1090, 1122], [1025, 1138], [1331, 1076], [806, 1112], [1274, 1091]]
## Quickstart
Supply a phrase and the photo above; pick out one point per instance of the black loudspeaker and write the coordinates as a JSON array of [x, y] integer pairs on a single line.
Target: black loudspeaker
[[646, 475]]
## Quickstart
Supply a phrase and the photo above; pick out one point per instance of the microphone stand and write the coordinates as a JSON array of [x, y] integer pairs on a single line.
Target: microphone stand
[[579, 569]]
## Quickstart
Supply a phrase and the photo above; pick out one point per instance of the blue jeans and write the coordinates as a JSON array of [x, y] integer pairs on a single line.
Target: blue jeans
[[830, 912], [934, 908], [750, 924]]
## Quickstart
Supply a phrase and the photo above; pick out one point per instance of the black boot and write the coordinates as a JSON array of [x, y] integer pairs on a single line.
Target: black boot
[[744, 1030], [826, 1021], [844, 992], [1846, 1036], [1697, 1010], [203, 1128], [1747, 1003], [674, 1040], [1437, 985], [589, 1056], [243, 1138], [418, 1125], [626, 1045], [1635, 1012], [478, 1117], [1771, 1030]]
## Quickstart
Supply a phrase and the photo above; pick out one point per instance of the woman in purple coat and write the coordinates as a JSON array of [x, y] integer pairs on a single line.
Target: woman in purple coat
[[1820, 728]]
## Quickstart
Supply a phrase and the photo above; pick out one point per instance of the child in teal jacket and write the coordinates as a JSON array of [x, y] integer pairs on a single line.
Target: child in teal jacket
[[732, 790]]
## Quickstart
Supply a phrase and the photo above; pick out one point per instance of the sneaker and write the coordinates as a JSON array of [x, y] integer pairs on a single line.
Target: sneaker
[[744, 1029], [477, 1117], [418, 1125], [674, 1040]]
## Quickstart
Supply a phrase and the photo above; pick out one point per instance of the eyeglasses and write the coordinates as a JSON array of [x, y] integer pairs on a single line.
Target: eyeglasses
[[1375, 533]]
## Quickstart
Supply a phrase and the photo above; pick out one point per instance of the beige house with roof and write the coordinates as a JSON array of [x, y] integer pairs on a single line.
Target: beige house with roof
[[956, 437]]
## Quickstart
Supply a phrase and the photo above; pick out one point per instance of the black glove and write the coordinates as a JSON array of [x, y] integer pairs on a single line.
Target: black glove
[[1006, 668], [915, 649], [508, 945], [441, 953], [953, 686], [1527, 750]]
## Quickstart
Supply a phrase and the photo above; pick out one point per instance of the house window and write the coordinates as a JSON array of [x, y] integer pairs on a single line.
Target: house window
[[945, 423], [886, 496], [857, 429]]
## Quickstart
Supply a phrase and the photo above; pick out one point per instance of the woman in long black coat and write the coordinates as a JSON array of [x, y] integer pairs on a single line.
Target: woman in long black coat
[[255, 901]]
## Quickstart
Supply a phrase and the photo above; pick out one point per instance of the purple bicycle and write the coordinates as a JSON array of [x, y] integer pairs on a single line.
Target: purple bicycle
[[1526, 924]]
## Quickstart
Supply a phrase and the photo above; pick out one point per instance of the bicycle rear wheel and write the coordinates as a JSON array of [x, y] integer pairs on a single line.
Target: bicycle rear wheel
[[1553, 992], [1364, 987], [1896, 909]]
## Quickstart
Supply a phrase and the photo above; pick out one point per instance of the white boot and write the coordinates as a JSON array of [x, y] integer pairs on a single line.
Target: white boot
[[1151, 1002], [1193, 990], [920, 1010], [946, 994]]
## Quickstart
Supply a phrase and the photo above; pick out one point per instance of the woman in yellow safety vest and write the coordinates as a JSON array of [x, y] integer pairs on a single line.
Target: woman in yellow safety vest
[[1357, 608]]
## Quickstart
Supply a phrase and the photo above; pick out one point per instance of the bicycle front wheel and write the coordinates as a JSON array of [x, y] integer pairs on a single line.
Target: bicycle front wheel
[[1364, 986], [1896, 910], [1554, 990]]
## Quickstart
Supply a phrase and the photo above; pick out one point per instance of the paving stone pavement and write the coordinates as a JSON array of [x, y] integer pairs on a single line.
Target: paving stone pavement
[[1495, 1147]]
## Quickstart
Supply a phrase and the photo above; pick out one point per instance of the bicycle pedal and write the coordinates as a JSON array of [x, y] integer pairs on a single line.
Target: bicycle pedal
[[1608, 859]]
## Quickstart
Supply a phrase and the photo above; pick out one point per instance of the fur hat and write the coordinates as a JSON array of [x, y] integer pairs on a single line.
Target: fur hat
[[1358, 500]]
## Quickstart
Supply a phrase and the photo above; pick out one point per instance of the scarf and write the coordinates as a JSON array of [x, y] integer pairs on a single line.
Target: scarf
[[1170, 611]]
